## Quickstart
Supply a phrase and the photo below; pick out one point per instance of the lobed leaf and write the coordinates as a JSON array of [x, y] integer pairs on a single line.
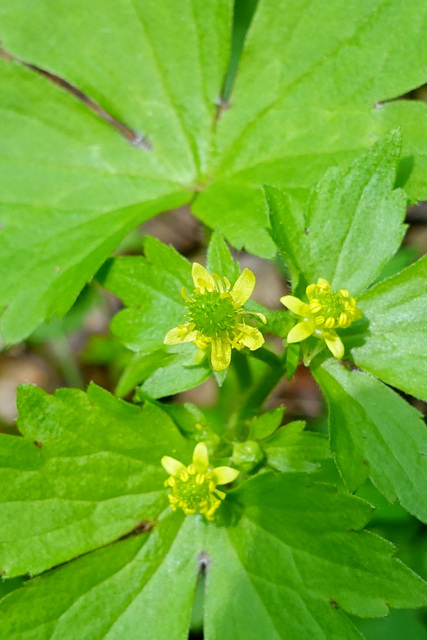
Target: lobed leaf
[[113, 592], [353, 218], [71, 189], [86, 472], [151, 289], [293, 562], [395, 347], [312, 91], [74, 182], [375, 433], [291, 448], [133, 123], [219, 259], [287, 559]]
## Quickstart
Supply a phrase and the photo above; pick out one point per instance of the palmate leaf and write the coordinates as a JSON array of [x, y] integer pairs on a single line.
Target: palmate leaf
[[306, 97], [73, 186], [139, 587], [150, 287], [287, 559], [296, 561], [375, 433], [352, 228], [310, 93], [291, 448], [86, 472], [395, 349], [353, 218]]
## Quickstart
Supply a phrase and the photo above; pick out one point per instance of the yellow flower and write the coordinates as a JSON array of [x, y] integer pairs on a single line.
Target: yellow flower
[[325, 312], [194, 487], [215, 316]]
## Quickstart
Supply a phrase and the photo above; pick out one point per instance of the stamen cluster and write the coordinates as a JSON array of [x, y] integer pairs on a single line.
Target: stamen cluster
[[212, 313], [193, 491], [331, 309], [194, 487], [216, 319], [325, 312]]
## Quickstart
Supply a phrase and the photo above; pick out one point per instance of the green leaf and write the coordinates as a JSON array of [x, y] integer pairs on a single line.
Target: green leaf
[[141, 367], [72, 184], [116, 592], [176, 374], [134, 124], [159, 76], [286, 559], [395, 347], [219, 259], [353, 217], [291, 448], [375, 433], [294, 561], [402, 259], [312, 91], [151, 289], [86, 472], [397, 625], [264, 425], [72, 188], [293, 352]]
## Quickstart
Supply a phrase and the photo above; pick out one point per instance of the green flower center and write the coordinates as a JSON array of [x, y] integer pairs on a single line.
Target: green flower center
[[331, 309], [191, 494], [333, 304], [193, 491], [212, 313]]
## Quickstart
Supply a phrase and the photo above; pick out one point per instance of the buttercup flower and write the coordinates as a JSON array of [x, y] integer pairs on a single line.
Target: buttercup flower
[[194, 487], [216, 317], [325, 312]]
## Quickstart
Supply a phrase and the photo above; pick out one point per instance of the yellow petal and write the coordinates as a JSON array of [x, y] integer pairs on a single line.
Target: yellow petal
[[200, 457], [301, 331], [201, 341], [261, 316], [250, 337], [310, 291], [324, 284], [199, 355], [334, 344], [296, 306], [221, 354], [243, 288], [202, 278], [181, 333], [357, 314], [224, 475], [171, 465]]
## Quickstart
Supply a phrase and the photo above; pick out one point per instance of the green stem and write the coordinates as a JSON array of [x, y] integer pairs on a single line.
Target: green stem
[[256, 395], [243, 372], [67, 364], [268, 357]]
